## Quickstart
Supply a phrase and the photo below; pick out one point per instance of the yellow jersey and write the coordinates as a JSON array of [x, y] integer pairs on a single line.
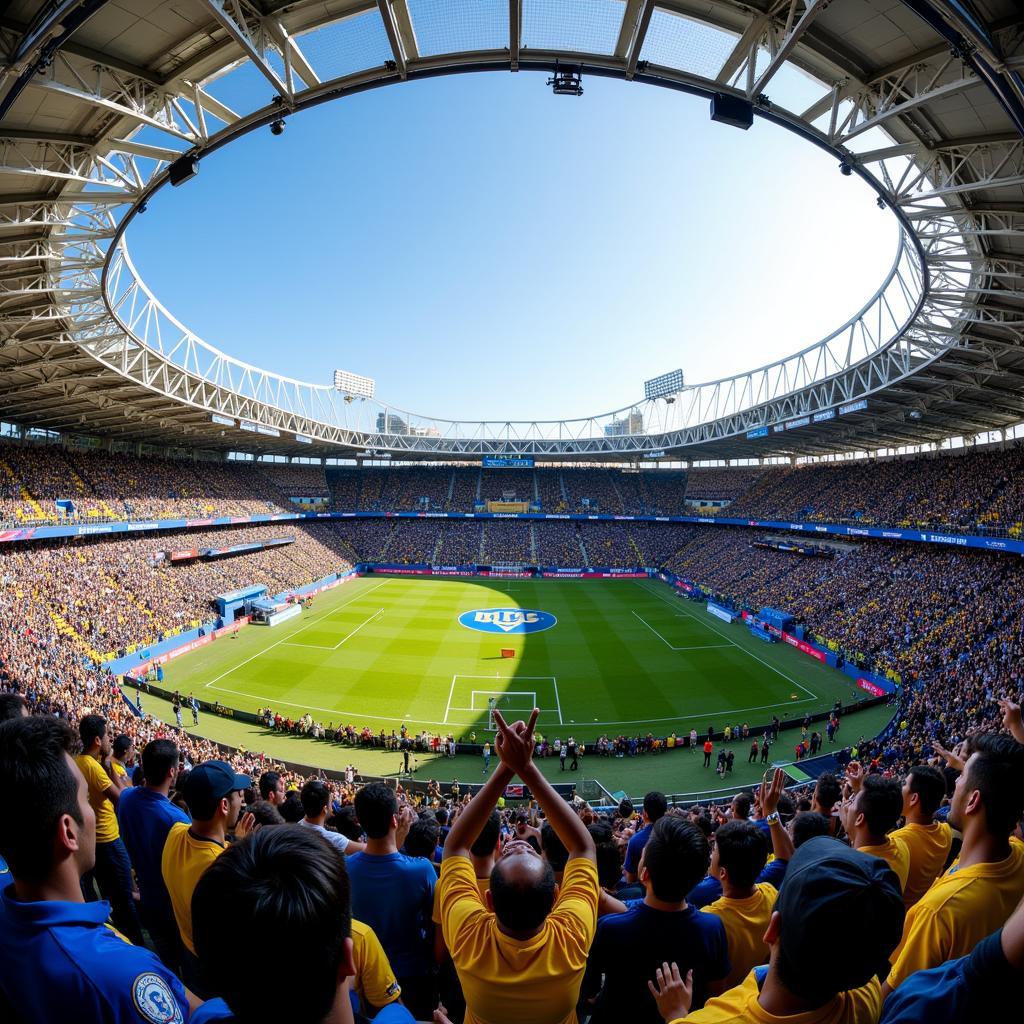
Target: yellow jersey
[[184, 860], [506, 980], [895, 853], [858, 1006], [99, 782], [929, 847], [483, 884], [957, 912], [375, 983], [745, 923]]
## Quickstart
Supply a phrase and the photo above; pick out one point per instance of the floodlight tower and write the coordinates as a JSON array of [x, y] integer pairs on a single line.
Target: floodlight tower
[[667, 386], [353, 385]]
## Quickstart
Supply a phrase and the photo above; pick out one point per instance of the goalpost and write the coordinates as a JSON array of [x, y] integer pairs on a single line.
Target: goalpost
[[512, 701]]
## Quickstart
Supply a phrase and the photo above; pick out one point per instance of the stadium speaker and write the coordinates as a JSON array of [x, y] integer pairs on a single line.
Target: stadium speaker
[[182, 169], [732, 110]]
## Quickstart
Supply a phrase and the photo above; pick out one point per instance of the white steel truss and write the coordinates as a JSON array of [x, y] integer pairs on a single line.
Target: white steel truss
[[939, 291]]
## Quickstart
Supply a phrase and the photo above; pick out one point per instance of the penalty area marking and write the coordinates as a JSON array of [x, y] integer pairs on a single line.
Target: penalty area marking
[[284, 639], [750, 654], [557, 710]]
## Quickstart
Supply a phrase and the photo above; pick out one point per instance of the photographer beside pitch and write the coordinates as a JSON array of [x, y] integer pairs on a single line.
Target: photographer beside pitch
[[520, 950]]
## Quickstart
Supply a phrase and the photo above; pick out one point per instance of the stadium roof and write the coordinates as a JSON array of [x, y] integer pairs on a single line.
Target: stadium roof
[[924, 99]]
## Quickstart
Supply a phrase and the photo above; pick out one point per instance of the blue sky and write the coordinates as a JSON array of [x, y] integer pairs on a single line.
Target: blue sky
[[486, 250]]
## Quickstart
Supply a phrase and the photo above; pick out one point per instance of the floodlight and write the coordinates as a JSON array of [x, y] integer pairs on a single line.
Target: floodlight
[[665, 386], [182, 169], [566, 82], [354, 385]]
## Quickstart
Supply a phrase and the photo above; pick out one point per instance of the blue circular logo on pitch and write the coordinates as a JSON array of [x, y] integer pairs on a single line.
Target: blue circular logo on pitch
[[507, 620]]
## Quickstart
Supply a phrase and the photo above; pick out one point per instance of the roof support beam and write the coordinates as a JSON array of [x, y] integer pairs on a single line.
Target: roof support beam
[[636, 42], [387, 15], [231, 16], [515, 31], [791, 36], [97, 100]]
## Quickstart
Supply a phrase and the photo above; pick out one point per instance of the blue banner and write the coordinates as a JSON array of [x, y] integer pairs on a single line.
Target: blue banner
[[1000, 544]]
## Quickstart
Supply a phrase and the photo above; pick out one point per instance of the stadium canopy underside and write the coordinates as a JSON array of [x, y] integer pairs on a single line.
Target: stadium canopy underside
[[923, 99]]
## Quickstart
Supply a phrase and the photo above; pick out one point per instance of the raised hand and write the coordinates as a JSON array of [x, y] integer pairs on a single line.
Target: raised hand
[[514, 742], [671, 993], [855, 775], [1012, 721], [770, 792], [954, 761], [246, 825], [406, 817]]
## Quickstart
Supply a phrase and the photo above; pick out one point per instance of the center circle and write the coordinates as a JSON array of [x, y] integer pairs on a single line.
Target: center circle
[[507, 620]]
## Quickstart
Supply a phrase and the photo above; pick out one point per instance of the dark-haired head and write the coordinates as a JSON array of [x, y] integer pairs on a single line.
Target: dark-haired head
[[281, 888], [808, 824], [12, 705], [675, 859], [47, 820], [422, 838], [991, 786], [377, 809], [315, 797], [485, 844], [655, 806], [92, 730], [121, 746], [272, 787], [826, 793], [159, 762], [923, 790], [552, 848], [881, 803], [741, 851]]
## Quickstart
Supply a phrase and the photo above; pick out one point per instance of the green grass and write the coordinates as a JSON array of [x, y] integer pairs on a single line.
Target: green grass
[[625, 656]]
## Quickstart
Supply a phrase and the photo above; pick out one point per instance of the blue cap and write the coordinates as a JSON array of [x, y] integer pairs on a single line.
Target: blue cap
[[209, 782]]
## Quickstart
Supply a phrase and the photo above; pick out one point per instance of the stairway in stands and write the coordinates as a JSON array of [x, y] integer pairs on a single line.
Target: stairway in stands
[[23, 492]]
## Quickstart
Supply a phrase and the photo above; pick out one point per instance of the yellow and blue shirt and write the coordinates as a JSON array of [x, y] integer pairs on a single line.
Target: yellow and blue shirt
[[62, 960]]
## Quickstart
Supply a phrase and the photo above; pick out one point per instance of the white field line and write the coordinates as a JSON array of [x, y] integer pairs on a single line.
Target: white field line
[[701, 647], [285, 639], [451, 691], [558, 702], [362, 713], [333, 647], [750, 654]]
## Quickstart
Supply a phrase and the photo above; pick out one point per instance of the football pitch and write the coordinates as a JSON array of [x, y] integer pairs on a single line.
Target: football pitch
[[607, 656]]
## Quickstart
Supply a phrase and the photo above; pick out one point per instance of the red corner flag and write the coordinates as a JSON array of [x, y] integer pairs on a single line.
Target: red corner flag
[[507, 652]]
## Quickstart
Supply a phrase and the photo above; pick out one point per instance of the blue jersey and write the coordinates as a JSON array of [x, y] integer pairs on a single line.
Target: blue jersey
[[394, 895], [5, 875], [980, 986], [60, 960], [146, 817], [629, 947]]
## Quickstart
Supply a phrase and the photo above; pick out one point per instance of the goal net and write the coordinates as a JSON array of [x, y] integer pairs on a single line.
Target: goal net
[[507, 702]]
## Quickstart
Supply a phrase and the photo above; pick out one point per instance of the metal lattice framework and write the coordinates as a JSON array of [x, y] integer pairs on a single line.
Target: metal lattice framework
[[84, 344]]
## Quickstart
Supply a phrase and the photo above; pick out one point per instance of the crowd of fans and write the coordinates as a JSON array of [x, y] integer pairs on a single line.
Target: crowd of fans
[[889, 893], [981, 490], [967, 491]]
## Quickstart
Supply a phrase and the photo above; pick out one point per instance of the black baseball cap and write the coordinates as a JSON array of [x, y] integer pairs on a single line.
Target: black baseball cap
[[833, 891], [209, 782]]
